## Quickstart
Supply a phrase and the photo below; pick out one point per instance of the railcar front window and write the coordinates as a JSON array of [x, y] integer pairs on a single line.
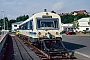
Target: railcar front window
[[47, 23]]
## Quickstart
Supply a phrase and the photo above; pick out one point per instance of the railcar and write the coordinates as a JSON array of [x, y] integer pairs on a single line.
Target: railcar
[[43, 25], [44, 31]]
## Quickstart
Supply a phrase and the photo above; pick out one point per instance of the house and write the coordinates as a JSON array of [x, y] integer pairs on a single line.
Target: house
[[67, 27], [62, 14], [79, 12], [84, 24], [75, 13], [15, 26]]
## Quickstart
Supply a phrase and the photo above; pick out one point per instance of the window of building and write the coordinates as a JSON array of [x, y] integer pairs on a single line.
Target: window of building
[[15, 25], [87, 28]]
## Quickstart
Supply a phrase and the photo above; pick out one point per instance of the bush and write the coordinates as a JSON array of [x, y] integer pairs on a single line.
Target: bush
[[89, 32], [63, 32], [84, 31]]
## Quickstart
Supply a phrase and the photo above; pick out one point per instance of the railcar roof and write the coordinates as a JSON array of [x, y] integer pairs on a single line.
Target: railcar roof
[[39, 15]]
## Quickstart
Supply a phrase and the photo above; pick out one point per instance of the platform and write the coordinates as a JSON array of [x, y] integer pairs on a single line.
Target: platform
[[17, 50]]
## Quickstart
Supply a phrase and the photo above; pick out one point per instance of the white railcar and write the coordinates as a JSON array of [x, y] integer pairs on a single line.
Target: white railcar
[[44, 31], [43, 25]]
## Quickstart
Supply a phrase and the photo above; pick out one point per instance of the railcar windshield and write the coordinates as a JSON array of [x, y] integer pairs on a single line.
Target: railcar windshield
[[51, 23]]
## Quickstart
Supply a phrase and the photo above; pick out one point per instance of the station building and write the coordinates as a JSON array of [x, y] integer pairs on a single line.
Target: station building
[[15, 26], [84, 24], [67, 27]]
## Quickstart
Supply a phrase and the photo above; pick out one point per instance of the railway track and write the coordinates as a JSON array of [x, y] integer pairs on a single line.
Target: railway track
[[17, 50], [18, 43], [43, 55]]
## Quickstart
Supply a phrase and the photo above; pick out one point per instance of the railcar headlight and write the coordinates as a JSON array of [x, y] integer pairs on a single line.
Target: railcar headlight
[[57, 33], [60, 33], [39, 33]]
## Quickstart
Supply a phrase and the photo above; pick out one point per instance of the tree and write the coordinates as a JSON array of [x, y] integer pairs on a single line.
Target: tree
[[68, 18], [1, 24], [89, 23], [22, 18], [75, 24], [26, 17], [6, 23], [10, 23]]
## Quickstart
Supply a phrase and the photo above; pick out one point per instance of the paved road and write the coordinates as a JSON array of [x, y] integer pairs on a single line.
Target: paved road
[[81, 44]]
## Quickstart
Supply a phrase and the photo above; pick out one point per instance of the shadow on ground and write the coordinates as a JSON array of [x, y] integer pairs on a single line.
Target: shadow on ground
[[73, 46], [9, 50]]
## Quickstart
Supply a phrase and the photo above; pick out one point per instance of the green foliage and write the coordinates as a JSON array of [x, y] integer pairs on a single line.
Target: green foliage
[[63, 32], [2, 23], [22, 18], [84, 32], [89, 22], [8, 23], [89, 32], [68, 18], [75, 24]]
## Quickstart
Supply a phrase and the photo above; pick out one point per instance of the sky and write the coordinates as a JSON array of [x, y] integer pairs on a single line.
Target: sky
[[16, 8]]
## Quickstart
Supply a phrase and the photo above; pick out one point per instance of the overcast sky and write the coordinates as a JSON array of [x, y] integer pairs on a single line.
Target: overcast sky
[[15, 8]]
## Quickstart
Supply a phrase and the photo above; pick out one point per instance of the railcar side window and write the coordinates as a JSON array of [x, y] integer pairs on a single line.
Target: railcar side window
[[31, 26], [27, 25], [38, 23], [21, 27], [56, 24]]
